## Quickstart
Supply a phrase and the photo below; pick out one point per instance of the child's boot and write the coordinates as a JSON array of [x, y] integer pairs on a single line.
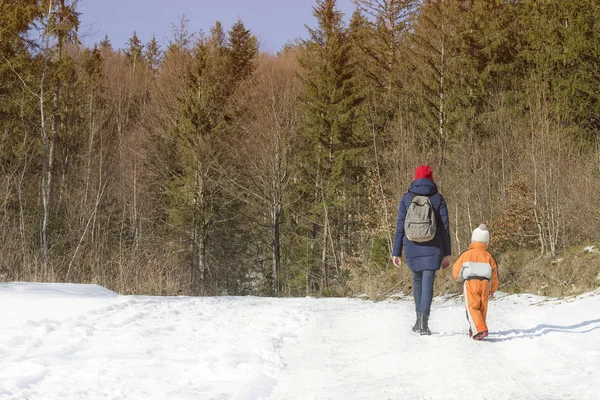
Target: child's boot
[[480, 335]]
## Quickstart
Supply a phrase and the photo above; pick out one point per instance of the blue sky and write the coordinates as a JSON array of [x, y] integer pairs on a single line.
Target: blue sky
[[275, 22]]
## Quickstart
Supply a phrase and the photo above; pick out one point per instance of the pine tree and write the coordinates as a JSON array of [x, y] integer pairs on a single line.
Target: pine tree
[[386, 40], [16, 17], [434, 56], [20, 145], [333, 138], [242, 50], [560, 49], [61, 21], [105, 43], [489, 39], [194, 195], [153, 54], [134, 51]]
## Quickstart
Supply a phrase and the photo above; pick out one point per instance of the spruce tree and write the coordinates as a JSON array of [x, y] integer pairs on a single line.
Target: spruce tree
[[133, 52], [105, 43], [153, 54], [61, 21], [196, 197], [242, 50], [334, 143], [433, 46], [559, 48], [385, 47]]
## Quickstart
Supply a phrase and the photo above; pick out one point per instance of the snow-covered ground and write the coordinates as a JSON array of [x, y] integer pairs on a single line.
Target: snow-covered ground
[[66, 341]]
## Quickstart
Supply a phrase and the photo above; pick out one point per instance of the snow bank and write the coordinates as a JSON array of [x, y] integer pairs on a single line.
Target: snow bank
[[52, 290]]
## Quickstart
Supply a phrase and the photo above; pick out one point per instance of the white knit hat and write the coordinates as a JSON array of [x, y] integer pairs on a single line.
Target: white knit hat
[[481, 234]]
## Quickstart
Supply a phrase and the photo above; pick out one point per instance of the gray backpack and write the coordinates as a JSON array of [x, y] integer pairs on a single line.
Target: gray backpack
[[419, 224]]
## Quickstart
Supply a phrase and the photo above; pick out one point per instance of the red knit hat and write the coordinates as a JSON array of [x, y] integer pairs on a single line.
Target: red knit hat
[[423, 171]]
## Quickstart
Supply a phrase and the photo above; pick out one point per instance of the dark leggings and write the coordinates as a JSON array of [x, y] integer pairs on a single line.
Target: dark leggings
[[423, 289]]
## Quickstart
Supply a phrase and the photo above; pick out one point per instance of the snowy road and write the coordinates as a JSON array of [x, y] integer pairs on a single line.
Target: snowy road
[[85, 342]]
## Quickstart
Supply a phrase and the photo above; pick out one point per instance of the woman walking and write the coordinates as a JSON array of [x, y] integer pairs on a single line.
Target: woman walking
[[423, 234]]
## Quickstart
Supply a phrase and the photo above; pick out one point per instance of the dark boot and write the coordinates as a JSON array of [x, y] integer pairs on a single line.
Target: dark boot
[[417, 327], [480, 335], [425, 324]]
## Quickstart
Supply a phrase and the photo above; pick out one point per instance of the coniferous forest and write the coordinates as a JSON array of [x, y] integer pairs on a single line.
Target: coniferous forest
[[211, 167]]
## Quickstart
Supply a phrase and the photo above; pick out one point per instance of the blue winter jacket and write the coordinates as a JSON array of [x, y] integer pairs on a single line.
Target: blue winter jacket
[[425, 255]]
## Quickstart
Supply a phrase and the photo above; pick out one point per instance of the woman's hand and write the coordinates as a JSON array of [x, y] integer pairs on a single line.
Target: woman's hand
[[446, 262], [397, 261]]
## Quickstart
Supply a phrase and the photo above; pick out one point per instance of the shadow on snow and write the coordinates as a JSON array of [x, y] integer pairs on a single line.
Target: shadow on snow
[[542, 330]]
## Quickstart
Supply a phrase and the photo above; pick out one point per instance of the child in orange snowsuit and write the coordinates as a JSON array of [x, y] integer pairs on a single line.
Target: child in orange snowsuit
[[477, 268]]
